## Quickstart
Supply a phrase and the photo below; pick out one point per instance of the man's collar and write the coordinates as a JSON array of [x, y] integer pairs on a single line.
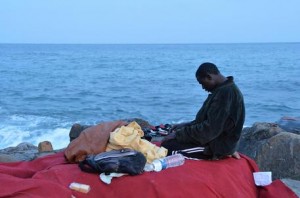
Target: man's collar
[[225, 83]]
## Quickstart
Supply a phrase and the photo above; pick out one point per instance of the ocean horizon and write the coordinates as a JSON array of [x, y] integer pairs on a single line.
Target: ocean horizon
[[179, 43]]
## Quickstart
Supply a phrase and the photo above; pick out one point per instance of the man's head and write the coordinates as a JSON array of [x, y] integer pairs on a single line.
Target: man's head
[[209, 76]]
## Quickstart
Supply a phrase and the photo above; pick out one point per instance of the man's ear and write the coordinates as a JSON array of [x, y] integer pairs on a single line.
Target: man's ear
[[209, 76]]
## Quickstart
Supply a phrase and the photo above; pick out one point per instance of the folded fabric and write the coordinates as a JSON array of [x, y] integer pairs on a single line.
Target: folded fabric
[[92, 140], [130, 137]]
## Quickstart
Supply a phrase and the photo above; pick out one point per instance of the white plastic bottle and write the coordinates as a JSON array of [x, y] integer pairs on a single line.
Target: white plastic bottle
[[168, 162], [149, 167]]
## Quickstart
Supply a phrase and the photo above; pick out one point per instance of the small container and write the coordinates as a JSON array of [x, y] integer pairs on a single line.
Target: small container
[[84, 188], [262, 178]]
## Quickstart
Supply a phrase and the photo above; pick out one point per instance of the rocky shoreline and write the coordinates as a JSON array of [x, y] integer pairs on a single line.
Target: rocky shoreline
[[275, 147], [24, 152]]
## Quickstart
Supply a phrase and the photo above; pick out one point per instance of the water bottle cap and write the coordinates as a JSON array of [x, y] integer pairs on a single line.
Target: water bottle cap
[[157, 165]]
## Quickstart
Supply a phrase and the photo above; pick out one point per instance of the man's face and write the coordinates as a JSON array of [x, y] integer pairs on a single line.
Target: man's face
[[207, 83]]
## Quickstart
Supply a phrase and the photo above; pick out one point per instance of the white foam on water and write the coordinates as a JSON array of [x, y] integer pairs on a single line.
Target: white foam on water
[[59, 138], [12, 136], [30, 120], [33, 129]]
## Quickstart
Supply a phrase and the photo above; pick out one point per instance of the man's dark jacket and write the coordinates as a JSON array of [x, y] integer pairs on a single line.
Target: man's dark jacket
[[218, 124]]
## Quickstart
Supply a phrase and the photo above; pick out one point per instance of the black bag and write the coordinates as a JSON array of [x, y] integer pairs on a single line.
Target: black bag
[[115, 161]]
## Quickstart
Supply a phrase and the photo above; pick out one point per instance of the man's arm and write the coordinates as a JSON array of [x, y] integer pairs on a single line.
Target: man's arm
[[179, 126], [210, 128]]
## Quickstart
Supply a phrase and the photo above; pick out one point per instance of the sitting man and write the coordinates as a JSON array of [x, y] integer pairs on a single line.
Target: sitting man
[[216, 130]]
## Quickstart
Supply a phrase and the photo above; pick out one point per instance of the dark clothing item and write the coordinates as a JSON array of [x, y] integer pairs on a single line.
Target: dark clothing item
[[218, 124], [187, 150]]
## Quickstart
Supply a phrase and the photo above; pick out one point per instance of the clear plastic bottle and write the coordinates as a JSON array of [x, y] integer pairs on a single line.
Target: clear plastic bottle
[[168, 162], [149, 167]]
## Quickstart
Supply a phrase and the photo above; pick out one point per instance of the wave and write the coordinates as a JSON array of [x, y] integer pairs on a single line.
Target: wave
[[33, 129], [13, 135]]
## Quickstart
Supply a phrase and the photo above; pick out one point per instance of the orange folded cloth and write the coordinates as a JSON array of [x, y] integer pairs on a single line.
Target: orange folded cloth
[[92, 140]]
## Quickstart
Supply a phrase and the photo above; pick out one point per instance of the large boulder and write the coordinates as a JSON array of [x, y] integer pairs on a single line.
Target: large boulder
[[143, 123], [24, 152], [290, 124], [273, 149]]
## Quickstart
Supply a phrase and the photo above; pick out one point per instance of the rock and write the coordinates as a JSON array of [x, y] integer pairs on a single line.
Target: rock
[[254, 137], [7, 158], [290, 124], [292, 184], [273, 149], [25, 152], [45, 146], [281, 154], [141, 122], [76, 129], [22, 152]]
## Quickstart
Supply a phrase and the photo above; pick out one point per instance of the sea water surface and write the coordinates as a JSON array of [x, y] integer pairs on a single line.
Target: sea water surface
[[47, 88]]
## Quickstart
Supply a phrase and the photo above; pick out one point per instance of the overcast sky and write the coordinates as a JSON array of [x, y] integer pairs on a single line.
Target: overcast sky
[[149, 21]]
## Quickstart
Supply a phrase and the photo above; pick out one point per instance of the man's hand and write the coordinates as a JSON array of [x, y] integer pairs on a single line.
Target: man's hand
[[173, 128], [178, 126], [170, 136]]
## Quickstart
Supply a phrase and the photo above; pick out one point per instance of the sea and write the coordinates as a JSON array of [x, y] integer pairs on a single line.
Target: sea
[[46, 88]]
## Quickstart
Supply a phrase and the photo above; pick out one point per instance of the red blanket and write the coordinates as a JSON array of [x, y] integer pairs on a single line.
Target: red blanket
[[50, 176]]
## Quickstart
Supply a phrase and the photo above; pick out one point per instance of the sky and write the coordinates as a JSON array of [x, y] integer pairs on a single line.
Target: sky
[[149, 21]]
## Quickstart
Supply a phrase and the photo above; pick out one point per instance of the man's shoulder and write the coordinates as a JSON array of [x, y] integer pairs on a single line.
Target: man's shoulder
[[228, 92]]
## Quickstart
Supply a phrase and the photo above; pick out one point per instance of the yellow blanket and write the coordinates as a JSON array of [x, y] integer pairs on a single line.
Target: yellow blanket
[[130, 137]]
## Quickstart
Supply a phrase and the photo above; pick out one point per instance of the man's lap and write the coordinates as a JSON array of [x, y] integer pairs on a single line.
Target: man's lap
[[188, 150]]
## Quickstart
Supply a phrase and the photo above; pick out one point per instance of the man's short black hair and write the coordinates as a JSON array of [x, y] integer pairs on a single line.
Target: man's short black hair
[[207, 68]]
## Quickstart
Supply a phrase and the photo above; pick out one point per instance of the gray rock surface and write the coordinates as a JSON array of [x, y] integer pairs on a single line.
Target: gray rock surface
[[273, 149], [141, 122], [22, 152], [290, 124], [294, 185]]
